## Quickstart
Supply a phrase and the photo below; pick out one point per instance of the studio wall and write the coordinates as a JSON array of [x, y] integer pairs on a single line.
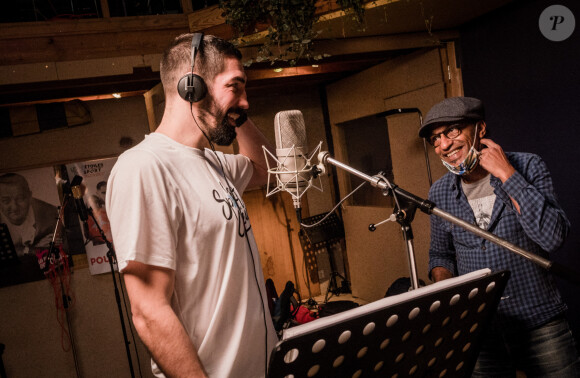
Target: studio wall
[[111, 120]]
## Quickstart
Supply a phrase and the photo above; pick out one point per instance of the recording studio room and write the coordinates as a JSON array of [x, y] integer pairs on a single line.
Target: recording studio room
[[80, 84]]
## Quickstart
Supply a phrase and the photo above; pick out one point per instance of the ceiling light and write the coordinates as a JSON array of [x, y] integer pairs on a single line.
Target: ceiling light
[[278, 69], [116, 95]]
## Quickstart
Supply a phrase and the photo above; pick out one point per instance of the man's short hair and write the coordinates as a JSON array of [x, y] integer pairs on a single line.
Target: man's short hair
[[209, 60], [15, 179]]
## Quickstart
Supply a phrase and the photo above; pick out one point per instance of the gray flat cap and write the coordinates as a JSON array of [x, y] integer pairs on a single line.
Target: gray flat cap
[[450, 110]]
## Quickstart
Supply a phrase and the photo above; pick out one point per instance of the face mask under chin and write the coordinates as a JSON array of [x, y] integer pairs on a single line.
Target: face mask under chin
[[469, 163], [466, 166]]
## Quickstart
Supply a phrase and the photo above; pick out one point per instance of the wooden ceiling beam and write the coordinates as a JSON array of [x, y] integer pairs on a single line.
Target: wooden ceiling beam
[[139, 81], [85, 47], [306, 70], [23, 30], [60, 41]]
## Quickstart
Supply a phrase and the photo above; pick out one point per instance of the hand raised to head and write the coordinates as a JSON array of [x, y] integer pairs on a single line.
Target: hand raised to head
[[494, 160]]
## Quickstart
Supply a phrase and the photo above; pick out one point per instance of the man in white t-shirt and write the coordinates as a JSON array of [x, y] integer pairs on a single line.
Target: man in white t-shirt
[[181, 230]]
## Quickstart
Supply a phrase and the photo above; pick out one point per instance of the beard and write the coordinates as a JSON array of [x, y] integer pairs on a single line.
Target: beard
[[223, 134]]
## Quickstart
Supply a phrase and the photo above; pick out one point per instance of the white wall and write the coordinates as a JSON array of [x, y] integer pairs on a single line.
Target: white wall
[[112, 119]]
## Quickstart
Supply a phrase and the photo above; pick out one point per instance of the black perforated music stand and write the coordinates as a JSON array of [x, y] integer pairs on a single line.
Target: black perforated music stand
[[325, 235], [434, 331]]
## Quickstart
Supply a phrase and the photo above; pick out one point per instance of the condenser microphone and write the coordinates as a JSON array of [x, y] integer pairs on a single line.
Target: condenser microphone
[[292, 152], [293, 171], [77, 192]]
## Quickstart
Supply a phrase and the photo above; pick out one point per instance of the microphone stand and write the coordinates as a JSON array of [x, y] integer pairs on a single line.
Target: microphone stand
[[54, 258], [112, 257], [412, 202]]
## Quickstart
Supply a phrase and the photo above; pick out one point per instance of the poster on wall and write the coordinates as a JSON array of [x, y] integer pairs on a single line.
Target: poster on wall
[[29, 215], [96, 230]]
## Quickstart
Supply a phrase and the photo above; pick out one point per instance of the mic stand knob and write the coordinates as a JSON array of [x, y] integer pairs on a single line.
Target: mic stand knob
[[316, 170], [373, 227]]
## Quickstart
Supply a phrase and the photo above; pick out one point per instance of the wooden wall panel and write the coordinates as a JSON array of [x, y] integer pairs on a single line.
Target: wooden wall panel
[[362, 94], [454, 79], [412, 72], [375, 259], [155, 104]]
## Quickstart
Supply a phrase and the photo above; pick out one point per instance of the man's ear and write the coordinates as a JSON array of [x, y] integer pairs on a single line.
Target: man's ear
[[482, 129]]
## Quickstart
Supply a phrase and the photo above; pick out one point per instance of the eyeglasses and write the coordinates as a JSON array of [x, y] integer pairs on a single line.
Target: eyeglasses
[[450, 132]]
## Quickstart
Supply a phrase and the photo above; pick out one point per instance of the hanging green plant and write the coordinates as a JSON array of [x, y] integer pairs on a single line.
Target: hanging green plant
[[289, 25]]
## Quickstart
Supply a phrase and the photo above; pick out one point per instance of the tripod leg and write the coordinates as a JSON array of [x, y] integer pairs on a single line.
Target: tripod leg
[[326, 297], [332, 284], [331, 289]]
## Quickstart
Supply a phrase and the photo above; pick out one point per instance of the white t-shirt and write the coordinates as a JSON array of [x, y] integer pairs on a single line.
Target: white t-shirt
[[169, 206], [481, 198]]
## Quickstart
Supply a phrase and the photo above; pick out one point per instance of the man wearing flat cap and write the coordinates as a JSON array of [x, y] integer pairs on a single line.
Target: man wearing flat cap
[[511, 195]]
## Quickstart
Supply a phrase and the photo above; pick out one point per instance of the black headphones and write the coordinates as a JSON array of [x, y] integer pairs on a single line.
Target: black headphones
[[191, 87]]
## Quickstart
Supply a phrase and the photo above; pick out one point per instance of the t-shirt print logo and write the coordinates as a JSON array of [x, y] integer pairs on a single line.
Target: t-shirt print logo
[[483, 220], [232, 205], [482, 208]]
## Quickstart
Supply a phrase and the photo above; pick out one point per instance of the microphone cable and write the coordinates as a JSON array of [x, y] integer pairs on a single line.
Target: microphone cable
[[247, 241], [333, 209]]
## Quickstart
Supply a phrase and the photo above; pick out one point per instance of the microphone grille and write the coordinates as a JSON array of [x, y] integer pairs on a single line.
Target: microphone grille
[[289, 129]]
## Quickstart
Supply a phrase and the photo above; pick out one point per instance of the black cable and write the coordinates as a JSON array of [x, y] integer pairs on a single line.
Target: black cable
[[122, 287], [331, 211], [263, 307]]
